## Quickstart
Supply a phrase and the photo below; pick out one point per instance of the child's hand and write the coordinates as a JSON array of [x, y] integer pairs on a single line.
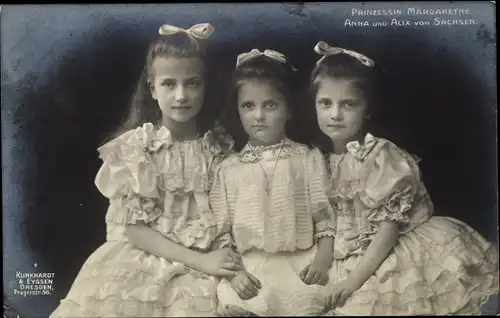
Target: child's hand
[[223, 262], [315, 273], [245, 285], [341, 292]]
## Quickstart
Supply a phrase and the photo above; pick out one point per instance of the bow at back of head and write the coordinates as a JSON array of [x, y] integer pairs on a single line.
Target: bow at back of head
[[199, 31], [272, 54], [326, 50]]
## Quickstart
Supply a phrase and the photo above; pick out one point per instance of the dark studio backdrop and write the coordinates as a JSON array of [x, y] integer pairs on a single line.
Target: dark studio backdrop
[[68, 73]]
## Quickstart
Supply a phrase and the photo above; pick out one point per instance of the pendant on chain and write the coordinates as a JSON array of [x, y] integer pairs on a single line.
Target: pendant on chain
[[268, 186]]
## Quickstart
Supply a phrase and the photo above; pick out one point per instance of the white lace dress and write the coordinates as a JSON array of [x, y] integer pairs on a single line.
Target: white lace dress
[[439, 266], [275, 233], [149, 177]]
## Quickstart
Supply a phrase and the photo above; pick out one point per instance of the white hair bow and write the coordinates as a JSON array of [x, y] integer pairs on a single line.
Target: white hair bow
[[254, 53], [198, 31], [326, 50]]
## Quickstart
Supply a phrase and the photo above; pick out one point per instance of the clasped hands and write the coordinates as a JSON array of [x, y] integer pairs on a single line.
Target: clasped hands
[[247, 285], [227, 262], [317, 274]]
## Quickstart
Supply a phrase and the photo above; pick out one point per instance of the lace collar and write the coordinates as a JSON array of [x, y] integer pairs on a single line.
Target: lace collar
[[250, 154], [152, 139]]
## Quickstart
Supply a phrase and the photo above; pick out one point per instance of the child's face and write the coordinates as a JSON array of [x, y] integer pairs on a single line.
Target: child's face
[[340, 107], [178, 87], [263, 111]]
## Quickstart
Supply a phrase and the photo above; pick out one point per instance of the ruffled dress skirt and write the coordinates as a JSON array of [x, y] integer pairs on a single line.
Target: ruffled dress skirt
[[282, 291], [441, 267], [119, 280]]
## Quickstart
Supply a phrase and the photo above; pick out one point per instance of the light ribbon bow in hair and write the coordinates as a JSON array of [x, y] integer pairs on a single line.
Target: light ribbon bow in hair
[[254, 53], [326, 50], [199, 31]]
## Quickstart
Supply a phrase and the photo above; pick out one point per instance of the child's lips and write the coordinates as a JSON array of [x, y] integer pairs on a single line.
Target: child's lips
[[336, 126]]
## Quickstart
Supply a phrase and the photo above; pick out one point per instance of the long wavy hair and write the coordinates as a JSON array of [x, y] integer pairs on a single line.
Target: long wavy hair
[[143, 108]]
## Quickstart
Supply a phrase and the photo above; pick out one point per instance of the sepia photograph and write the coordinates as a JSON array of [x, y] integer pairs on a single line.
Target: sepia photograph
[[249, 159]]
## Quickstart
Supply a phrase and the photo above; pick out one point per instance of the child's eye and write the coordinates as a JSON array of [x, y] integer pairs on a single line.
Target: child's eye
[[350, 104], [194, 83], [169, 84], [247, 105], [271, 105], [325, 102]]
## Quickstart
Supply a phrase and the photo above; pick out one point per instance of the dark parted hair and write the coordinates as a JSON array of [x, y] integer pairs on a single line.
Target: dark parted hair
[[281, 75], [143, 108], [342, 66]]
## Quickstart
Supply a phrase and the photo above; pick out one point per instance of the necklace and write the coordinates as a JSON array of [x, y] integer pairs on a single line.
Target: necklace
[[269, 182], [334, 165]]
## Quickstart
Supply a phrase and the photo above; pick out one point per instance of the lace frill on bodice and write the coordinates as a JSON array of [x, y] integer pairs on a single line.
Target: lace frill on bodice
[[150, 177]]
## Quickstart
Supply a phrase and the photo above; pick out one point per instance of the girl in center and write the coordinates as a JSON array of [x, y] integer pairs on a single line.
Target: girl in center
[[270, 199]]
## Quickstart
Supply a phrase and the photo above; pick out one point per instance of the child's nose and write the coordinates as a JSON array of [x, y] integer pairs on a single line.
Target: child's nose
[[259, 113], [180, 95], [336, 112]]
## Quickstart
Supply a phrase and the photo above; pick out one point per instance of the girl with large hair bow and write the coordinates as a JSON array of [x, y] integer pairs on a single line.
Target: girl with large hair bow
[[156, 174], [270, 199], [391, 255]]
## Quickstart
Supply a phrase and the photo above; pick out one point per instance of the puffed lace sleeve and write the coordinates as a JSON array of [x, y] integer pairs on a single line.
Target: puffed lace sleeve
[[220, 209], [129, 179], [392, 187], [220, 144], [323, 215]]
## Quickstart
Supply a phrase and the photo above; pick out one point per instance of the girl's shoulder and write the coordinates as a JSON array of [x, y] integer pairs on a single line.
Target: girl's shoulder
[[297, 147], [383, 147], [149, 138], [218, 141], [373, 147], [145, 138], [381, 158]]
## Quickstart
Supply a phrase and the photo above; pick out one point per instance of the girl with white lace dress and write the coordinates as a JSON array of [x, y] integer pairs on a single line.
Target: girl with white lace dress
[[157, 175], [391, 257], [270, 199]]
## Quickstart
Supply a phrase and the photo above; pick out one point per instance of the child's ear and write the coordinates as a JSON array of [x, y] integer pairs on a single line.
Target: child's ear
[[152, 90]]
